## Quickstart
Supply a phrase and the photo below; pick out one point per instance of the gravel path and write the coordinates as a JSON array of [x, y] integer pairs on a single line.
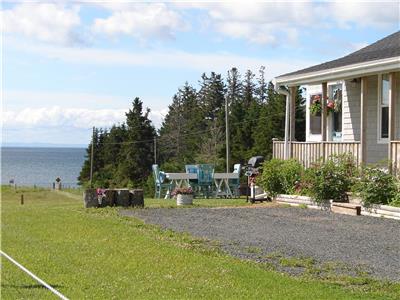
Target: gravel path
[[366, 243]]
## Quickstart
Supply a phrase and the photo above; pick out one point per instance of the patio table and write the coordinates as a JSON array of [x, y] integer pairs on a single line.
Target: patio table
[[221, 181], [180, 179]]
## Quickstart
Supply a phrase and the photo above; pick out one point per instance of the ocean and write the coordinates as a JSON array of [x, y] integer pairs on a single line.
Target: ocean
[[41, 166]]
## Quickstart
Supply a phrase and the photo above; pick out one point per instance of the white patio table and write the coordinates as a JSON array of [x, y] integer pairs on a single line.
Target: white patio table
[[221, 181], [180, 179]]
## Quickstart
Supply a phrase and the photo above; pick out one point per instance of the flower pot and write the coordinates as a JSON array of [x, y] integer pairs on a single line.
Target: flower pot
[[182, 199]]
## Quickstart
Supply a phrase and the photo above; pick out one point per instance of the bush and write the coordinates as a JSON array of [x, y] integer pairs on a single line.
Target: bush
[[331, 179], [376, 186], [280, 176]]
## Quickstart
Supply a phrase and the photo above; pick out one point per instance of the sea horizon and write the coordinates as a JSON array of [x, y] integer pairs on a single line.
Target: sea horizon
[[40, 166]]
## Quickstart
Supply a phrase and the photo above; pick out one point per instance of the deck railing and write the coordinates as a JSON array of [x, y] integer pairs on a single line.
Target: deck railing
[[308, 153], [395, 151]]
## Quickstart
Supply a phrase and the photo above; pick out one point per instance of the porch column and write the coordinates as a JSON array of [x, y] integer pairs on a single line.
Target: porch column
[[392, 115], [363, 125], [323, 117], [293, 90]]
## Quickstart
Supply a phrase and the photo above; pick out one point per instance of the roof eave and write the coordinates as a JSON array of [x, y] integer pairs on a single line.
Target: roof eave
[[340, 73]]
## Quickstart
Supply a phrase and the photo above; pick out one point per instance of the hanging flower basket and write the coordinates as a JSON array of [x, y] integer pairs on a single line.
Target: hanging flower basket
[[315, 107]]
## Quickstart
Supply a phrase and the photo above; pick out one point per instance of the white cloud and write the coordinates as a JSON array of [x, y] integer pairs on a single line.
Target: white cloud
[[282, 22], [203, 62], [46, 22], [142, 21], [364, 14], [61, 117]]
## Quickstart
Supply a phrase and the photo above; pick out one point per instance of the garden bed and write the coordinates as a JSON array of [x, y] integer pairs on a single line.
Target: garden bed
[[385, 211]]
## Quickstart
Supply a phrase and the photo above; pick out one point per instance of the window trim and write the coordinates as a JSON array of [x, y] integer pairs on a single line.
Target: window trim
[[329, 85], [380, 139]]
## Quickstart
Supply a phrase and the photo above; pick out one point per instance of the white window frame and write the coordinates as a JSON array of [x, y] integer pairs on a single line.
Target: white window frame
[[330, 127], [380, 139]]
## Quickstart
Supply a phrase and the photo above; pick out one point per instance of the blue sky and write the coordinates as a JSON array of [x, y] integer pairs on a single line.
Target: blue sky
[[68, 66]]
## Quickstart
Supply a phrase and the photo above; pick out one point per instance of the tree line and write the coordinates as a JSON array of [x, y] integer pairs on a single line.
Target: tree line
[[193, 131]]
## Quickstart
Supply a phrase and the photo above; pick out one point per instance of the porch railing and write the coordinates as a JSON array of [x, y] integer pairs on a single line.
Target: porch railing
[[395, 156], [308, 153]]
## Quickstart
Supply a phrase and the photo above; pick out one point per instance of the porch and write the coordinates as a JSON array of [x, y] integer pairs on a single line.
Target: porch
[[308, 153], [366, 125]]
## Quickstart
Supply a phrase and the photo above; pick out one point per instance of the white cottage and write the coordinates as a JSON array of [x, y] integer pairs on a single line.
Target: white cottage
[[353, 105]]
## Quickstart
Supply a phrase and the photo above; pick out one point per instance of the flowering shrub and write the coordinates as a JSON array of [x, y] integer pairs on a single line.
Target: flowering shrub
[[376, 186], [329, 180], [182, 191], [280, 176]]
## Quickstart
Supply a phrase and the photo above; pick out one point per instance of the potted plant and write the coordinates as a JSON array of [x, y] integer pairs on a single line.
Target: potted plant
[[184, 196]]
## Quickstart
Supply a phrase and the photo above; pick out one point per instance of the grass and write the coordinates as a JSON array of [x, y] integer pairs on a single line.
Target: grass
[[97, 254]]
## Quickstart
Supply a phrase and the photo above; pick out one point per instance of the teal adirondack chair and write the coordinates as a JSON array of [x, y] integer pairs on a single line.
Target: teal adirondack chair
[[205, 179], [234, 184], [192, 169], [159, 182]]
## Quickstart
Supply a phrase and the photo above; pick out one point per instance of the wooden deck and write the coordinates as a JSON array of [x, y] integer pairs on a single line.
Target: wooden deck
[[308, 153]]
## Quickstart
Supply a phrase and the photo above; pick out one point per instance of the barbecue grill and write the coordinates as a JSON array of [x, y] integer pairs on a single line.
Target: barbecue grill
[[252, 171]]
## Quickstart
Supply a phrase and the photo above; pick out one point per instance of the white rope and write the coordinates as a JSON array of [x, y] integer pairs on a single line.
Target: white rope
[[34, 276]]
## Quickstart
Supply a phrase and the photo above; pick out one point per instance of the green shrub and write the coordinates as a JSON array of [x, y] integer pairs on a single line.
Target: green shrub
[[280, 176], [331, 179], [376, 186]]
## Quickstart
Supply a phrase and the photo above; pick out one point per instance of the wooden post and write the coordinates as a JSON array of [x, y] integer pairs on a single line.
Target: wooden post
[[91, 159], [293, 93], [22, 199], [323, 117], [392, 118], [363, 125]]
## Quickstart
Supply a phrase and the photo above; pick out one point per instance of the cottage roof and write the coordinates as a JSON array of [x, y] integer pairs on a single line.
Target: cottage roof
[[388, 47]]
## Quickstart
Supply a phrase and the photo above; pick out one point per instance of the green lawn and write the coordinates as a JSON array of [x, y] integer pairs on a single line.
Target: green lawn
[[96, 254]]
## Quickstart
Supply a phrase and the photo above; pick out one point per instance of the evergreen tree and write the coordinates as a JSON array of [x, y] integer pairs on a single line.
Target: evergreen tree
[[137, 151]]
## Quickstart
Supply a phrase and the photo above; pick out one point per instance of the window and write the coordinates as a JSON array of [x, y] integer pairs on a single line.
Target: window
[[335, 100], [383, 122], [315, 119]]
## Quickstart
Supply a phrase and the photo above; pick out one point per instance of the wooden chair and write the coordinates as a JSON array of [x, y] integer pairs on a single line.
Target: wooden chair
[[234, 184], [159, 182], [205, 179]]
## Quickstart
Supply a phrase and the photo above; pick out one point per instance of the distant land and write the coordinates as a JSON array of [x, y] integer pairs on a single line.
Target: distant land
[[43, 145]]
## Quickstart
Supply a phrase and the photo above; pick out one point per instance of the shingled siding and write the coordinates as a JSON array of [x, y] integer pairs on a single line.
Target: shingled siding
[[375, 151], [351, 112]]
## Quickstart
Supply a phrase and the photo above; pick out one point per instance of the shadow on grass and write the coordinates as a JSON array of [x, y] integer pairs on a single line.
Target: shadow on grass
[[28, 286]]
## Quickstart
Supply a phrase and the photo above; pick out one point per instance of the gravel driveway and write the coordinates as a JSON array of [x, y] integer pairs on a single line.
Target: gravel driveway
[[366, 243]]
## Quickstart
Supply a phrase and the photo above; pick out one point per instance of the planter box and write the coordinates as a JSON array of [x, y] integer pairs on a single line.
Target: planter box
[[184, 199], [382, 211], [90, 198]]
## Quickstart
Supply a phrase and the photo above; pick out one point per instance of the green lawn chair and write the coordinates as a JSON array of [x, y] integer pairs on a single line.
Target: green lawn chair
[[159, 182], [234, 184], [192, 169], [205, 179]]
